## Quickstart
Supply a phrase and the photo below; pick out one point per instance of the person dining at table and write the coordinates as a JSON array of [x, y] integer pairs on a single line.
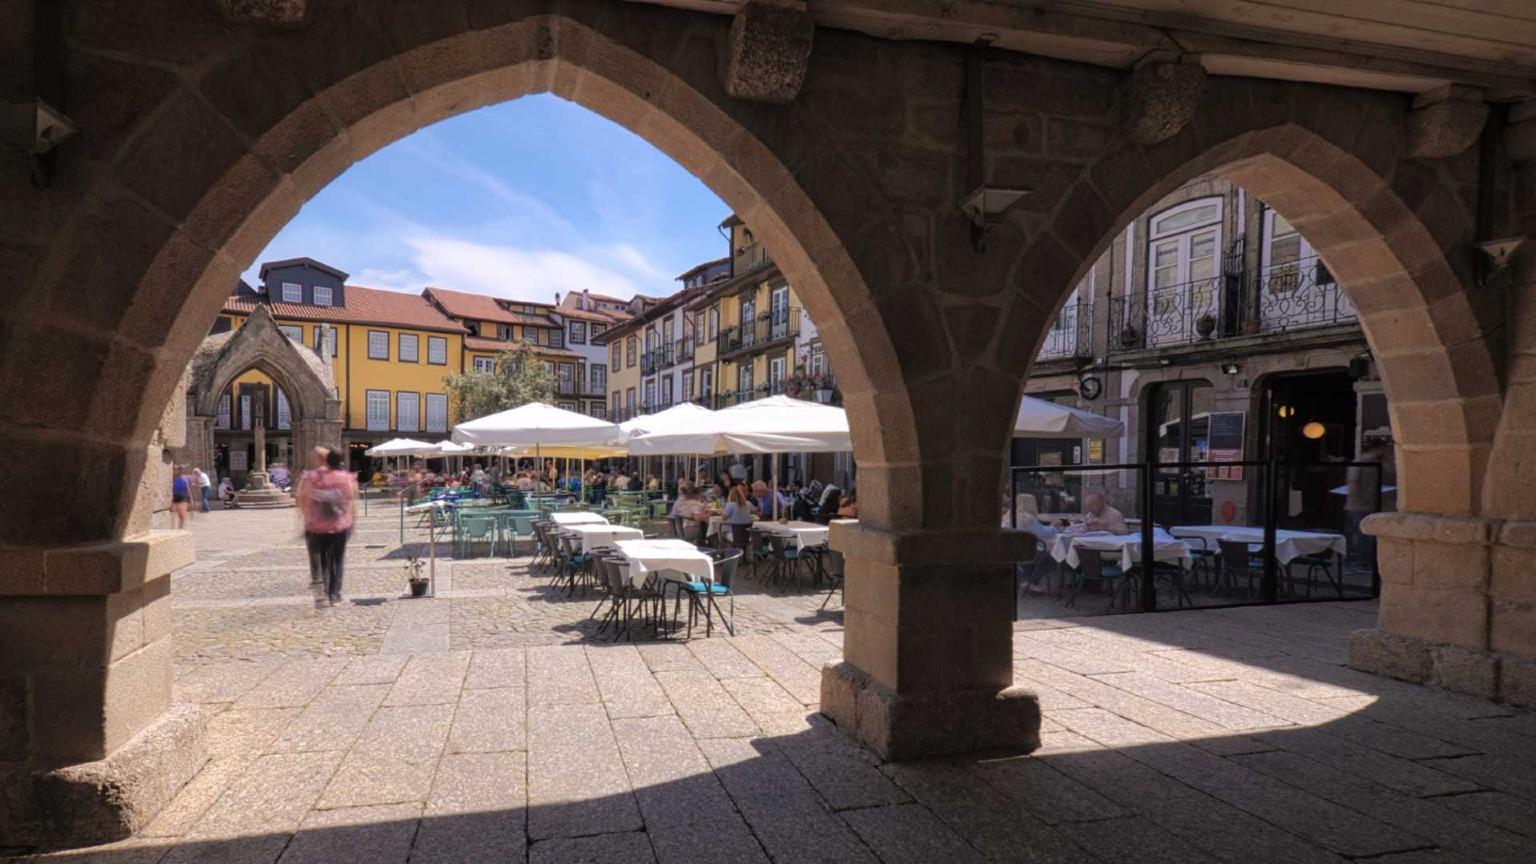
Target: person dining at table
[[1098, 515], [738, 511], [763, 500]]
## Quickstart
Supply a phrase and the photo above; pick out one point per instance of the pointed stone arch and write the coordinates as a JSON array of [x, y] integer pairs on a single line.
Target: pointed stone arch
[[304, 376]]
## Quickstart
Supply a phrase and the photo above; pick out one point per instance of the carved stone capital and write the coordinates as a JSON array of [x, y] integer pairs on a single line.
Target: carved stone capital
[[1445, 121], [770, 45], [1160, 98]]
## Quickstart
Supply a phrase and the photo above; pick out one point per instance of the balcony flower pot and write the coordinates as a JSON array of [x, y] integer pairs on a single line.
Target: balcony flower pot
[[1251, 328], [1205, 325], [1129, 337]]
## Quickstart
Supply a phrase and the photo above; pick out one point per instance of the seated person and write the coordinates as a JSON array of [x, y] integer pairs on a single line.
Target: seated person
[[849, 508], [227, 491], [1099, 516]]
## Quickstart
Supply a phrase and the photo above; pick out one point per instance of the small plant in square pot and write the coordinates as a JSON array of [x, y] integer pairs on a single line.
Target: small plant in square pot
[[414, 577]]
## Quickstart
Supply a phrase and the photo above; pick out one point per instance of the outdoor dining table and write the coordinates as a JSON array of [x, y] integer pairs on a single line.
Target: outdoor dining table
[[589, 535], [660, 556], [805, 534], [577, 517], [1166, 548], [1289, 544]]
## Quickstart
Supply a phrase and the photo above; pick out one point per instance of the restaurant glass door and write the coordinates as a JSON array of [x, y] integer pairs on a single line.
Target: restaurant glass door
[[1179, 431]]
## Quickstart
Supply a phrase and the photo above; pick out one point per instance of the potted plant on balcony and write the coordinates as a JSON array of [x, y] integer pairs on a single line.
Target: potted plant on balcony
[[414, 578], [1129, 336], [1205, 325]]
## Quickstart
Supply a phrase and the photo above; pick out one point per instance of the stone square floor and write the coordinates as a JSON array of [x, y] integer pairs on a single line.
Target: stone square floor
[[488, 725]]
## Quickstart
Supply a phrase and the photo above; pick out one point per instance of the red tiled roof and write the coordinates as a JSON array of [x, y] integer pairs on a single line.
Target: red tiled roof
[[479, 343], [363, 306], [590, 315], [479, 307]]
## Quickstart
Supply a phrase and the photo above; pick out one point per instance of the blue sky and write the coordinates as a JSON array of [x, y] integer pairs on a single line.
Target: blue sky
[[521, 199]]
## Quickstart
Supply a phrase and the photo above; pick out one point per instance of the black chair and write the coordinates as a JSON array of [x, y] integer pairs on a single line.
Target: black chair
[[785, 559], [835, 565], [740, 536], [1321, 563], [1238, 562], [704, 597], [1091, 566]]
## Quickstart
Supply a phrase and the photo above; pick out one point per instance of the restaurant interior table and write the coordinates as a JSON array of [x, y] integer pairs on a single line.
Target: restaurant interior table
[[590, 535], [805, 534], [663, 556], [1289, 544], [1165, 547], [577, 517]]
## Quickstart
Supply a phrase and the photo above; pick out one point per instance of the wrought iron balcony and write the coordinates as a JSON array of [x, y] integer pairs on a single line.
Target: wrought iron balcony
[[768, 329], [656, 359], [683, 351], [1071, 334], [1284, 297], [750, 257]]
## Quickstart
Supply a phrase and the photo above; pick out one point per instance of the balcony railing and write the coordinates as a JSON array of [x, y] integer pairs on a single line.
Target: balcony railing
[[1071, 334], [656, 359], [766, 330], [1283, 297], [683, 351], [750, 257]]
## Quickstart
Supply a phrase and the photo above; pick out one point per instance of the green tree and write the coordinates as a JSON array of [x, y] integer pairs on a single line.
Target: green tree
[[520, 378]]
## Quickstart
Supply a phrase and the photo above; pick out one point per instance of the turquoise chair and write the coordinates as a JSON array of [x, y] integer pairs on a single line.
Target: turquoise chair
[[477, 527], [521, 525]]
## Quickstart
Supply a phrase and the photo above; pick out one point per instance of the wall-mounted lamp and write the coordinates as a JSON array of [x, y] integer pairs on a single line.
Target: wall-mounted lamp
[[1313, 430], [1285, 411], [1231, 368], [984, 205]]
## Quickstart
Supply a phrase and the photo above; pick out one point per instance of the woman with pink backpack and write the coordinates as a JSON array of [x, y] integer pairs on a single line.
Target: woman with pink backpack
[[327, 497]]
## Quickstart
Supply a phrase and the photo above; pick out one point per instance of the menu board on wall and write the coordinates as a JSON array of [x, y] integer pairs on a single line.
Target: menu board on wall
[[1226, 442], [237, 460]]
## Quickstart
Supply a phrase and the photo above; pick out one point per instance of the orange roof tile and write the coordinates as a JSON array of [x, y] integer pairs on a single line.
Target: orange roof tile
[[363, 306], [479, 307]]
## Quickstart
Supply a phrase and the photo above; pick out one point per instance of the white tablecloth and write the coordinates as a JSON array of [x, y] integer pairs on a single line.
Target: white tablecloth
[[589, 535], [805, 534], [1289, 545], [1126, 546], [656, 556], [577, 517]]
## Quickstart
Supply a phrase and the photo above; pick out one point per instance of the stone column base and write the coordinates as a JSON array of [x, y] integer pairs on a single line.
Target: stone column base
[[109, 799], [900, 727], [1486, 674]]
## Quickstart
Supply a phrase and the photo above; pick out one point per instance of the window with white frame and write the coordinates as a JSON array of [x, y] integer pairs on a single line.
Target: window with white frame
[[568, 406], [614, 359], [485, 364], [687, 394], [578, 333], [557, 338], [1183, 268], [293, 292], [613, 403], [323, 295], [631, 345], [599, 378], [293, 331], [222, 421], [598, 412], [410, 348], [245, 411], [567, 377], [378, 345], [504, 332], [597, 330], [378, 410], [284, 413], [437, 412], [744, 380], [437, 350], [714, 322], [407, 411]]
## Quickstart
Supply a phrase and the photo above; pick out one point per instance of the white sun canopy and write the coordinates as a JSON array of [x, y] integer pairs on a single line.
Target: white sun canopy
[[777, 424], [1040, 418], [448, 448], [401, 447], [534, 425], [660, 421]]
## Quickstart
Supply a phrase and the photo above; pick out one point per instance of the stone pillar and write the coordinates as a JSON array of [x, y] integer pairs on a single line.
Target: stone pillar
[[928, 649]]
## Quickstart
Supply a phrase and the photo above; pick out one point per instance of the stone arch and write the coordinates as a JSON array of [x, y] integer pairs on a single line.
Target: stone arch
[[1395, 231], [304, 376], [263, 142]]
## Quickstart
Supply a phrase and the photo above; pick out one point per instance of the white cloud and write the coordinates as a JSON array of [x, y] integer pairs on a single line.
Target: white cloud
[[510, 271]]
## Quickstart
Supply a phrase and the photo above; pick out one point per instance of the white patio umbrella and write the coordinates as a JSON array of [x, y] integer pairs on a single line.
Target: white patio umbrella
[[1040, 418], [535, 425], [685, 412], [777, 424], [400, 447]]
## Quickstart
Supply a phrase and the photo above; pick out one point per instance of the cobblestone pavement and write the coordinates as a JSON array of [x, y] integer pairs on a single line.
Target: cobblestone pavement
[[485, 725]]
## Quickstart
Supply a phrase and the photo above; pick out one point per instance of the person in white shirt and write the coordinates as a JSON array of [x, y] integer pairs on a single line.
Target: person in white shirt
[[205, 488]]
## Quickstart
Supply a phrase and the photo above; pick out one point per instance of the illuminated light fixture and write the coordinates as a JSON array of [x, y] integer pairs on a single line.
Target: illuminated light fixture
[[1285, 411], [1230, 368], [1314, 430]]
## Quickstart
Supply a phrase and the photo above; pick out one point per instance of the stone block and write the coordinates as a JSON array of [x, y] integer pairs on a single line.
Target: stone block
[[900, 726], [1512, 628], [1160, 98], [1464, 670], [105, 800], [1394, 559], [1395, 656], [1445, 122], [770, 48], [91, 712], [1450, 567], [1517, 681], [1455, 617]]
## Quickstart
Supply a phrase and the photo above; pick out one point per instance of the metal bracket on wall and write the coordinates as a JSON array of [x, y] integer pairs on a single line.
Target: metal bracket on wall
[[985, 206]]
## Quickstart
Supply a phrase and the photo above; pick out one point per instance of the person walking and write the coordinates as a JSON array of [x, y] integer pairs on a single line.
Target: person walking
[[327, 499], [204, 488], [181, 494]]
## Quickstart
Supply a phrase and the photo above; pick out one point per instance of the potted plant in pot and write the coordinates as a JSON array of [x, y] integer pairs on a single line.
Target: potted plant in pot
[[1205, 325], [414, 577], [1129, 336]]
